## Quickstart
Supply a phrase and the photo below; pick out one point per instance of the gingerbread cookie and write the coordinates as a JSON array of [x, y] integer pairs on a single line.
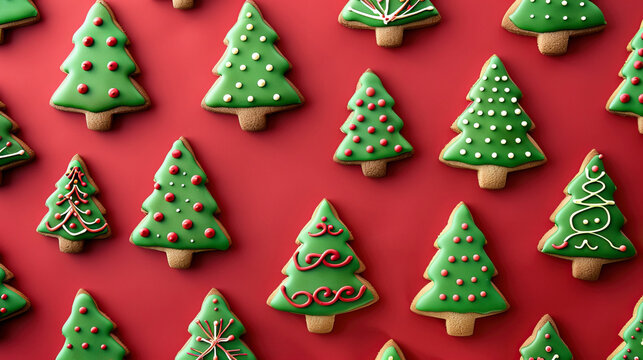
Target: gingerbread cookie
[[180, 211], [88, 333], [75, 215], [15, 13], [99, 72], [215, 333], [545, 343], [13, 151], [461, 289], [12, 301], [321, 277], [553, 22], [587, 223], [389, 18], [390, 351], [493, 131], [372, 129], [627, 99], [183, 4], [251, 81], [632, 346]]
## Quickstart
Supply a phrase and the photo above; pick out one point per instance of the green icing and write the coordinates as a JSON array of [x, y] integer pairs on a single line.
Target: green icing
[[391, 354], [336, 270], [384, 138], [11, 150], [493, 129], [556, 15], [99, 79], [381, 13], [188, 192], [632, 336], [16, 10], [631, 86], [454, 241], [14, 301], [252, 69], [538, 349], [214, 325], [73, 213], [92, 318], [589, 224]]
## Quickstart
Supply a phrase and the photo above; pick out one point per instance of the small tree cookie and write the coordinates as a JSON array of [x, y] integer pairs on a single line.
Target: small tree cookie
[[99, 71], [180, 211], [553, 22], [15, 13], [183, 4], [251, 81], [216, 333], [545, 343], [627, 99], [493, 131], [75, 215], [322, 278], [461, 289], [12, 301], [390, 351], [389, 18], [372, 129], [632, 335], [88, 333], [13, 151], [587, 223]]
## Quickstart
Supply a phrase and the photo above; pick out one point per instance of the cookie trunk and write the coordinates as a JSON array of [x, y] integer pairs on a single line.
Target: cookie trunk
[[70, 247], [374, 169], [390, 36], [640, 122], [553, 43], [492, 177], [588, 269], [460, 324], [320, 324], [252, 119], [179, 259], [99, 121], [183, 4]]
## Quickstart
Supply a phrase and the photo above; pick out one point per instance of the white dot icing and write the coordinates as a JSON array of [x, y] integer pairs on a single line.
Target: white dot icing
[[510, 155], [276, 97], [261, 83], [249, 27], [465, 121], [262, 39], [528, 153], [242, 67], [514, 100], [251, 98], [518, 111], [494, 66], [524, 123], [227, 97], [256, 56], [468, 140], [487, 140], [477, 155], [228, 64], [503, 141], [243, 38], [248, 14], [480, 112], [518, 140], [269, 67], [509, 127], [494, 155], [463, 152], [235, 51], [238, 85], [492, 127], [476, 125], [491, 112], [503, 113]]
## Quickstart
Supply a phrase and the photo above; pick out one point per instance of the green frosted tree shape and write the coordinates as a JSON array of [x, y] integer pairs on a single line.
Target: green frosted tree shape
[[216, 333], [390, 351], [632, 335], [12, 301], [545, 343], [13, 151]]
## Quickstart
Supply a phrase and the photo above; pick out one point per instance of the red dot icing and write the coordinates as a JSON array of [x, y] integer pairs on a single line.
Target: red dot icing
[[360, 117], [456, 297], [352, 126], [196, 179], [471, 298], [381, 102], [625, 98], [209, 233], [444, 272], [176, 153], [465, 226], [198, 207], [112, 66], [356, 139], [469, 238], [370, 129], [464, 258], [158, 216], [638, 64], [113, 93], [70, 346], [86, 65], [483, 293], [145, 232], [111, 41], [451, 259], [82, 88], [4, 296], [371, 106], [77, 328], [390, 128], [157, 186], [103, 347], [94, 330], [88, 41], [595, 168], [82, 310], [459, 281], [484, 269], [443, 297], [641, 98], [172, 237], [173, 169], [370, 149], [370, 91], [187, 224], [359, 102], [383, 142], [169, 197], [636, 80], [348, 152], [383, 118], [398, 148], [456, 239], [98, 21], [85, 346]]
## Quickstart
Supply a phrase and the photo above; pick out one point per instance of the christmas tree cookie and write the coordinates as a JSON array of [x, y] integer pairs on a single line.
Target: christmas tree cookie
[[461, 289], [88, 333], [390, 351], [215, 333], [13, 151], [99, 71], [587, 223], [493, 131], [321, 277], [74, 215], [15, 13], [251, 81], [180, 211], [553, 22], [627, 99], [389, 18], [12, 301], [183, 4], [545, 343], [372, 129], [632, 346]]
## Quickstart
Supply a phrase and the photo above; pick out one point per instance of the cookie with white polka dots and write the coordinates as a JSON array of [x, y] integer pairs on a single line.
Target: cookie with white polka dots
[[553, 22], [493, 131], [251, 81], [180, 211]]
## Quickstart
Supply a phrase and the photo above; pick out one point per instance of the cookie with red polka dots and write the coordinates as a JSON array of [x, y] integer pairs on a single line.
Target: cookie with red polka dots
[[12, 301], [183, 4], [372, 129], [632, 335], [545, 343], [180, 211], [99, 72], [89, 333]]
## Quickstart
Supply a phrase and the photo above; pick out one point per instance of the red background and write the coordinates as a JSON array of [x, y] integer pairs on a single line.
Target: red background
[[268, 183]]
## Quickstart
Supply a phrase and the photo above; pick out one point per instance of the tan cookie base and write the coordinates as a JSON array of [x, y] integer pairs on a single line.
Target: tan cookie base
[[183, 4], [390, 36], [374, 168]]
